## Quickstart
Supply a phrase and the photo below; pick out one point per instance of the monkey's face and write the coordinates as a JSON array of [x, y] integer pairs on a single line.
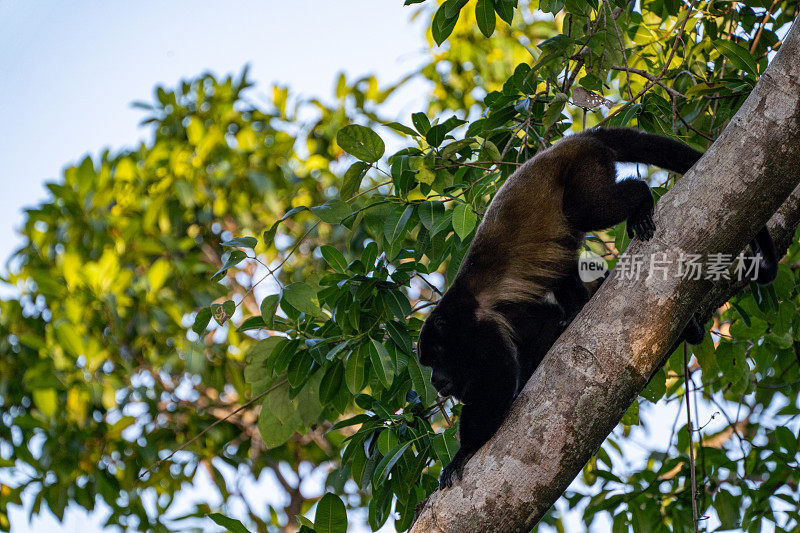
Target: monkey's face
[[446, 346]]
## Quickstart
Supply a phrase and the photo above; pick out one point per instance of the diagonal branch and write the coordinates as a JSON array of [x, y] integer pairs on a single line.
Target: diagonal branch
[[605, 357]]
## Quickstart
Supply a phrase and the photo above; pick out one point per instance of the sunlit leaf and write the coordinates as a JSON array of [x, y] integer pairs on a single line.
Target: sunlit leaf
[[302, 297], [330, 516], [484, 14], [464, 220], [361, 142]]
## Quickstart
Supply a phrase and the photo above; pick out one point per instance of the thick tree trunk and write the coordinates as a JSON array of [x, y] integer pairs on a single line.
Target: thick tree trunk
[[604, 359]]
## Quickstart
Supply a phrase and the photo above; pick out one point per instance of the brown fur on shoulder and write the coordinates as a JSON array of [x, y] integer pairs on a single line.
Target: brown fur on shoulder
[[524, 243]]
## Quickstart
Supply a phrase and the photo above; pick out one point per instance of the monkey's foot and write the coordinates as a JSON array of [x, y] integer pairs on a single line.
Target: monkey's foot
[[456, 467], [642, 227]]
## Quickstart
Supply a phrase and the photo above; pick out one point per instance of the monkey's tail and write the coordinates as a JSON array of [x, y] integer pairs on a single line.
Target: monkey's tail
[[634, 146]]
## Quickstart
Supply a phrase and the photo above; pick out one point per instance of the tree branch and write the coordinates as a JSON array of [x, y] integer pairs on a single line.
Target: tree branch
[[595, 370]]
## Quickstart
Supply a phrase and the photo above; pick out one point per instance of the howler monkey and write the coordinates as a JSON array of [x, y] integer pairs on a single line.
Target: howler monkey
[[492, 327]]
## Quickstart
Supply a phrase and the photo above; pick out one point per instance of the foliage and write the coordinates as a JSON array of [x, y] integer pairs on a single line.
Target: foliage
[[248, 285]]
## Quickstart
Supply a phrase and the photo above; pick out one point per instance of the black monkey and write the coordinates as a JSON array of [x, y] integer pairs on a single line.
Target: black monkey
[[492, 327]]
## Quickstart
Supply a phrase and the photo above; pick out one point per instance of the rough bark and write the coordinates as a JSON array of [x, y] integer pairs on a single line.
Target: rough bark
[[604, 359]]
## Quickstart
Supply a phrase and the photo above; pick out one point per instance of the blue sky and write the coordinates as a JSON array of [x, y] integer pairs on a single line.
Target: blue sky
[[70, 71]]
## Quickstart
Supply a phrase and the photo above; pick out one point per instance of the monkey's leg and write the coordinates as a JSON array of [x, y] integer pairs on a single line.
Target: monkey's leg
[[571, 294], [485, 407], [536, 327], [763, 246], [593, 200]]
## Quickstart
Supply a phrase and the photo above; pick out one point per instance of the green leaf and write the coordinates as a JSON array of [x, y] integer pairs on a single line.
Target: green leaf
[[396, 126], [631, 416], [727, 508], [369, 255], [223, 312], [46, 400], [551, 6], [786, 439], [436, 134], [256, 371], [269, 305], [381, 362], [252, 322], [234, 258], [232, 525], [742, 313], [429, 213], [334, 258], [384, 468], [706, 355], [402, 176], [464, 220], [331, 516], [302, 297], [352, 421], [553, 113], [454, 8], [626, 115], [397, 303], [738, 55], [243, 242], [269, 235], [398, 333], [490, 152], [657, 386], [420, 381], [421, 122], [484, 13], [361, 142], [305, 522], [331, 383], [505, 10], [332, 211], [351, 182], [387, 440], [354, 369], [396, 222], [201, 320], [444, 222], [442, 25], [279, 418], [731, 360], [336, 349], [445, 446]]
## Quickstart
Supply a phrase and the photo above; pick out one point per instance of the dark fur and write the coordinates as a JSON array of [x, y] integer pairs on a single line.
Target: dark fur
[[494, 325]]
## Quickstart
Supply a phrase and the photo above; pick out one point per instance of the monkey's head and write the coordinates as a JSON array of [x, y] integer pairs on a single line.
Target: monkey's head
[[454, 343]]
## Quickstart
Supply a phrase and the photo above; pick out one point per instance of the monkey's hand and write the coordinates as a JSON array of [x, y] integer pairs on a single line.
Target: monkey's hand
[[455, 468], [641, 226]]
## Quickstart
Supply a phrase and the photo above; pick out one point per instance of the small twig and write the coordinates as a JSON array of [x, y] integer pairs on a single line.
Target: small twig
[[429, 284], [691, 436], [420, 307], [440, 403], [624, 55], [767, 14], [206, 430], [660, 74], [650, 77]]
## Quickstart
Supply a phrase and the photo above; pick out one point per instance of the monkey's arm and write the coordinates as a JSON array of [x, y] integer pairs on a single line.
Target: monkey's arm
[[485, 407]]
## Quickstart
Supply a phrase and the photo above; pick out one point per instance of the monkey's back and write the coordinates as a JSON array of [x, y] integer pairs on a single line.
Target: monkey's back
[[524, 243]]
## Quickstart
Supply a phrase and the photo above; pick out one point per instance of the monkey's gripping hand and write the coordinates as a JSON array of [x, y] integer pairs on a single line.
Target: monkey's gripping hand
[[454, 468], [641, 226]]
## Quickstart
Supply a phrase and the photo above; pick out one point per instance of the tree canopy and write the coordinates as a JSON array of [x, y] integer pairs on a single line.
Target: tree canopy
[[242, 292]]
